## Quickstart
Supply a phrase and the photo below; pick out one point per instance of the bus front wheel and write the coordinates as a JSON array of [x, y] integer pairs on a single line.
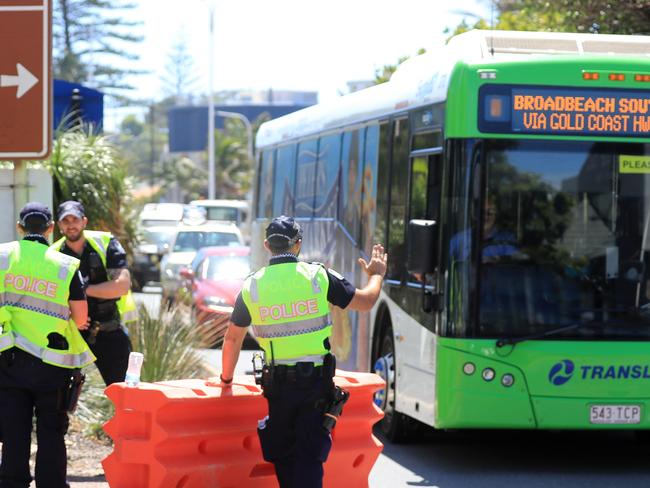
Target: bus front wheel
[[394, 425]]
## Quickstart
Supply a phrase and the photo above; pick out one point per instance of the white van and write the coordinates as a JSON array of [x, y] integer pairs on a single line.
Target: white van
[[236, 211], [161, 214]]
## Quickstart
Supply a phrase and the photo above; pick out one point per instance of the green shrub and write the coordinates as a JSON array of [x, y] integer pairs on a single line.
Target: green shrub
[[169, 343]]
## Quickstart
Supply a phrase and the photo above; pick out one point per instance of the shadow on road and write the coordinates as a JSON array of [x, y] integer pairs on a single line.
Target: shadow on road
[[502, 459]]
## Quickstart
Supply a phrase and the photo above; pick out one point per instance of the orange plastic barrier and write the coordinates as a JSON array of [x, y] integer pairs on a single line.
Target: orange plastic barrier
[[190, 434]]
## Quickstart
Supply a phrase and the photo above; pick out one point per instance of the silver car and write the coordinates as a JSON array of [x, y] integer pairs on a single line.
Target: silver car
[[184, 246]]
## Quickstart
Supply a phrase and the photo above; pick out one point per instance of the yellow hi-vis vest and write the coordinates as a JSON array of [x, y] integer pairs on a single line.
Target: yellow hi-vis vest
[[35, 286], [126, 305], [289, 311]]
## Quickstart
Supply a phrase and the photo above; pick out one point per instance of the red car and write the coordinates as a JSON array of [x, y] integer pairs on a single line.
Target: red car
[[214, 280]]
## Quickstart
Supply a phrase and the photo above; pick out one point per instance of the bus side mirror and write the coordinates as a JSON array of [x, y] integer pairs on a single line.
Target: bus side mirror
[[422, 247]]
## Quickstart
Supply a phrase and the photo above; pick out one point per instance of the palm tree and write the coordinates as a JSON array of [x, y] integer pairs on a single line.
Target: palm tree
[[87, 167]]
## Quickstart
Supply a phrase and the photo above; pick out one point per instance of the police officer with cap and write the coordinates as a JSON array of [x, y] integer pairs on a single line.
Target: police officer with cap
[[287, 303], [41, 350], [111, 306]]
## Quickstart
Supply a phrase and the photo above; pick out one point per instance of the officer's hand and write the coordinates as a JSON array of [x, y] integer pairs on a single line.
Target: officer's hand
[[84, 326], [378, 262]]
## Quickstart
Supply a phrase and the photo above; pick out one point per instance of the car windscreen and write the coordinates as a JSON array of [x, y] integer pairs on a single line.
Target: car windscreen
[[226, 214], [227, 268], [193, 241], [157, 237]]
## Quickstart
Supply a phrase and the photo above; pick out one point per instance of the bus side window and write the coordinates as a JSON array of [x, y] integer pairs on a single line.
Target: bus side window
[[425, 189], [265, 194], [306, 178], [285, 177], [370, 202], [350, 195], [398, 199], [327, 176]]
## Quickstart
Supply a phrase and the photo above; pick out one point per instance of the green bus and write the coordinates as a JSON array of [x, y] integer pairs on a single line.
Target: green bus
[[508, 175]]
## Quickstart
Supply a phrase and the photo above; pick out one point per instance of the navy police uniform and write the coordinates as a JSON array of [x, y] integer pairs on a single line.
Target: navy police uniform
[[292, 436], [29, 385], [109, 343]]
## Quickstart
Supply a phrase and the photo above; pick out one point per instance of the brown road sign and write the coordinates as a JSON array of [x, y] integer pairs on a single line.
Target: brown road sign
[[25, 79]]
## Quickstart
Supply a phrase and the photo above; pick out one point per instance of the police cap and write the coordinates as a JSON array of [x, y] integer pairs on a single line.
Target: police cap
[[283, 231], [35, 209], [71, 207]]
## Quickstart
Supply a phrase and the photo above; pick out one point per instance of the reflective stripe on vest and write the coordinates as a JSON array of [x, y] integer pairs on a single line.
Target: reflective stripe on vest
[[6, 341], [27, 302], [4, 259], [34, 292], [255, 296], [126, 305], [129, 316], [316, 359], [99, 242], [292, 328], [66, 360], [289, 311]]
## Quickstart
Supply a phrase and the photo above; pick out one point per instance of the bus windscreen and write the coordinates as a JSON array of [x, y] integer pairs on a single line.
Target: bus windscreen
[[510, 109]]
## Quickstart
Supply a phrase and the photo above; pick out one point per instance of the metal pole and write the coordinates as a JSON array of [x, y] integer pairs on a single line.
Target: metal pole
[[211, 169], [247, 124]]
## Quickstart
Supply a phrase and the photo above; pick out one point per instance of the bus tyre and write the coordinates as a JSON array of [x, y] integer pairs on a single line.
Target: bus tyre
[[395, 426]]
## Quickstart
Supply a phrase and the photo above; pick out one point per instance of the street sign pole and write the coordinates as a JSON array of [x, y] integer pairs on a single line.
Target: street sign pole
[[25, 79]]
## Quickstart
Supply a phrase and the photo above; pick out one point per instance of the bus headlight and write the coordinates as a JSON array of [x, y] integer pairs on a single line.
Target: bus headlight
[[507, 380], [469, 368], [488, 374]]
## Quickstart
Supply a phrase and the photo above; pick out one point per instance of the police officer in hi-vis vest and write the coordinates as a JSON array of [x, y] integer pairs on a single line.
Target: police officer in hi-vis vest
[[42, 306], [287, 303], [111, 306]]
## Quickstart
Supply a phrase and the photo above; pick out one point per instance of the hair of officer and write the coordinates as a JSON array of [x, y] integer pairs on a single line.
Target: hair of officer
[[34, 224], [282, 247]]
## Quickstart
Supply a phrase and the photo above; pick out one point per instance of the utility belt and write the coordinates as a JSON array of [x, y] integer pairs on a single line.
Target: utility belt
[[299, 371], [96, 327], [270, 376]]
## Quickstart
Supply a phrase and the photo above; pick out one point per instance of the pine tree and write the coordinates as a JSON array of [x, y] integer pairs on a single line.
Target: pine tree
[[89, 36]]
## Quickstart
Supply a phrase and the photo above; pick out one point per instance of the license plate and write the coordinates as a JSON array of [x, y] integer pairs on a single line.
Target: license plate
[[615, 414]]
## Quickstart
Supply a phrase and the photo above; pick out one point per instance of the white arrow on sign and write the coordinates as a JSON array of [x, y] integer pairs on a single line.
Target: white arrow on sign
[[24, 80]]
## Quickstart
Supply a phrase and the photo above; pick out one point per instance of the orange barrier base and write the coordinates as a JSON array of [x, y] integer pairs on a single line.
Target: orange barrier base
[[191, 434]]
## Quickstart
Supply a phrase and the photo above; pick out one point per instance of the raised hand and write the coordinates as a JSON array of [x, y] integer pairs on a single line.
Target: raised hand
[[378, 262]]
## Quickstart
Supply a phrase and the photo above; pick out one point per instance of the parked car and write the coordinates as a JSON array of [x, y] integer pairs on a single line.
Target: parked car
[[157, 214], [237, 211], [153, 245], [184, 246], [213, 280]]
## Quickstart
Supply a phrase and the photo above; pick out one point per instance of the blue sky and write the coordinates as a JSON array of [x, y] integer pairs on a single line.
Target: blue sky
[[291, 44]]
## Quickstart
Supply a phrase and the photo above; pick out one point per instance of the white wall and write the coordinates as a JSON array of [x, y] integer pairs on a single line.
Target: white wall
[[14, 194]]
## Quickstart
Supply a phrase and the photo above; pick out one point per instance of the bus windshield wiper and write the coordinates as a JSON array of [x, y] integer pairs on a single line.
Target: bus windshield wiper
[[516, 340]]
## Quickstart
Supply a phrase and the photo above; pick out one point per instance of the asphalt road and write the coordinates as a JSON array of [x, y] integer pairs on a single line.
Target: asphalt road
[[499, 459]]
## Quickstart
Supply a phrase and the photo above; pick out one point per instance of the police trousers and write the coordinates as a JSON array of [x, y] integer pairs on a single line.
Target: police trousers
[[112, 352], [292, 436], [28, 387]]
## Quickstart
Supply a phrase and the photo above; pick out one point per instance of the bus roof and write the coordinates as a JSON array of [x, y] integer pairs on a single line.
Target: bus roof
[[424, 79]]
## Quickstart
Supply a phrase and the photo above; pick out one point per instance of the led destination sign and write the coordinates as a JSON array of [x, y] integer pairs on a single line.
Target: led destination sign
[[564, 111]]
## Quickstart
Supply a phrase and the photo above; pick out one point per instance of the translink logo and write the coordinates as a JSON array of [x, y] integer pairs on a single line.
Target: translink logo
[[563, 371]]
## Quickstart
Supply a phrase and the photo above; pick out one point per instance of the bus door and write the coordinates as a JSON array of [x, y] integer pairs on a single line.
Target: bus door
[[421, 293]]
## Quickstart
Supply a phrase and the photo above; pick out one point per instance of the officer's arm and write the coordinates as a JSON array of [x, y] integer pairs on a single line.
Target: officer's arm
[[79, 313], [364, 298], [118, 284], [232, 343]]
